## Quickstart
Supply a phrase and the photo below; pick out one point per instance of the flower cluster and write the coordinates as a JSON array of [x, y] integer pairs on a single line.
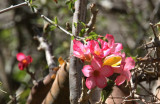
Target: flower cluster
[[24, 60], [103, 58]]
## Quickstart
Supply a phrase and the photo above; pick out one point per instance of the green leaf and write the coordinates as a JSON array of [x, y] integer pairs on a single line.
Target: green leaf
[[30, 1], [72, 37], [75, 24], [56, 20], [81, 34], [68, 1], [82, 23], [52, 27], [93, 33]]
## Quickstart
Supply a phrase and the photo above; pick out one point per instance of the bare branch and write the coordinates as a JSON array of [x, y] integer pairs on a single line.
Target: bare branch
[[59, 92], [14, 7], [92, 21]]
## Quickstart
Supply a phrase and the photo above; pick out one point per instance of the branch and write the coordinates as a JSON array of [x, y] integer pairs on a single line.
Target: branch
[[61, 28], [92, 21], [59, 92], [76, 65], [14, 7], [85, 94], [40, 90]]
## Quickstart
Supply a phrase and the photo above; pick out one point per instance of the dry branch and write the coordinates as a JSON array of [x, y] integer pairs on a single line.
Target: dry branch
[[92, 21], [40, 90], [14, 7], [59, 92]]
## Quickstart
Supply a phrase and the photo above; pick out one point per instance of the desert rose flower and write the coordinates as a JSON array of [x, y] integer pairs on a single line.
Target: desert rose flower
[[96, 73], [24, 60], [113, 47], [82, 51], [95, 48], [124, 70]]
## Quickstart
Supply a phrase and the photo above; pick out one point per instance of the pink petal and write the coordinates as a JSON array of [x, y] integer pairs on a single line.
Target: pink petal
[[106, 71], [127, 74], [117, 47], [87, 70], [29, 59], [101, 81], [120, 79], [21, 66], [104, 44], [96, 63], [20, 56], [90, 82], [110, 39], [77, 54], [106, 52], [130, 63], [117, 69], [77, 46]]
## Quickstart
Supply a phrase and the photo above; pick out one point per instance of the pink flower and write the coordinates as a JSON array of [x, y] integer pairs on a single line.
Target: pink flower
[[124, 70], [82, 51], [96, 49], [96, 73], [112, 46], [24, 60]]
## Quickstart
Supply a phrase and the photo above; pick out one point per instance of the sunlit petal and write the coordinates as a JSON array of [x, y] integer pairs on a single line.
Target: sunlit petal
[[120, 80], [87, 71], [90, 82], [20, 56]]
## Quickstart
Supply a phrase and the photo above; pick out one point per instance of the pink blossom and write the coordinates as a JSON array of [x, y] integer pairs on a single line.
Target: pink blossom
[[24, 60], [96, 49], [82, 51], [124, 70], [112, 46], [96, 73]]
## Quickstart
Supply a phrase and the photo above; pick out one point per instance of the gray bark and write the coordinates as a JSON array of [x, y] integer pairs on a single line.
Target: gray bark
[[75, 64]]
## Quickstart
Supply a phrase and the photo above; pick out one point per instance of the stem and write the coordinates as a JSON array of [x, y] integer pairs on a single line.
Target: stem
[[61, 28], [32, 76], [13, 7]]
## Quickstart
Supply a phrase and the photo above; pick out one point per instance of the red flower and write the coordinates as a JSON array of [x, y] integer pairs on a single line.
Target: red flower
[[24, 60]]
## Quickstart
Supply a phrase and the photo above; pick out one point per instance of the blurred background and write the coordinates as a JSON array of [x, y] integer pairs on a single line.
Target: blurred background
[[127, 20]]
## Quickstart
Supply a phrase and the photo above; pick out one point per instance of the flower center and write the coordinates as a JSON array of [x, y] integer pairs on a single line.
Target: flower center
[[97, 52], [112, 61], [24, 61], [96, 73]]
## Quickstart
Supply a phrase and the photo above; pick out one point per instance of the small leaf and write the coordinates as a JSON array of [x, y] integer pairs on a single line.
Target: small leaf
[[30, 1], [81, 34], [52, 27], [83, 24], [93, 33], [60, 60], [56, 20], [72, 37], [67, 2], [75, 24]]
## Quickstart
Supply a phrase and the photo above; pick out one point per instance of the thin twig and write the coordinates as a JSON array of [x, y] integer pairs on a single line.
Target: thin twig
[[32, 76], [13, 7]]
